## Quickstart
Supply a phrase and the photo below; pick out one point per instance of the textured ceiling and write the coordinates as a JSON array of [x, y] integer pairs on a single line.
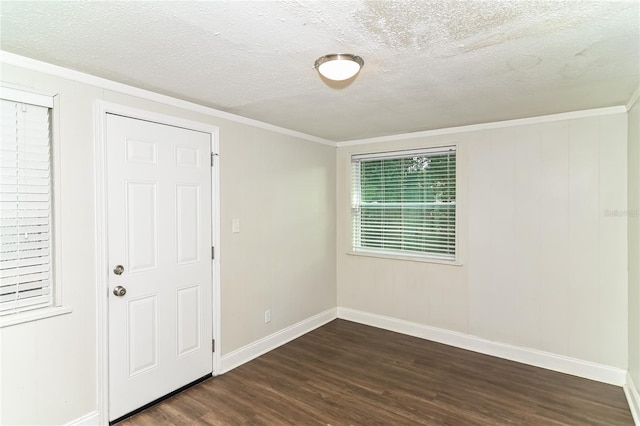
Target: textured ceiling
[[428, 64]]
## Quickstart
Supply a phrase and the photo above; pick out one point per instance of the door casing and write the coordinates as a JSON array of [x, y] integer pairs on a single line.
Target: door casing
[[101, 109]]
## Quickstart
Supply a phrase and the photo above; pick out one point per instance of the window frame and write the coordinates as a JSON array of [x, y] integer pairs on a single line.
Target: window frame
[[52, 100], [407, 255]]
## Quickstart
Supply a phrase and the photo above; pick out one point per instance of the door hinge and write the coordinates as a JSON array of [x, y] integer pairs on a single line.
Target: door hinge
[[213, 345], [213, 155], [213, 252]]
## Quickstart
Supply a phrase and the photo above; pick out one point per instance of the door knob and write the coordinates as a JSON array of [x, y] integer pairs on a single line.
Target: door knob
[[118, 270], [119, 291]]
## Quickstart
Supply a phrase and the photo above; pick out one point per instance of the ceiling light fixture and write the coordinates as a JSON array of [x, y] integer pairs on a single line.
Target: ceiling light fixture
[[339, 66]]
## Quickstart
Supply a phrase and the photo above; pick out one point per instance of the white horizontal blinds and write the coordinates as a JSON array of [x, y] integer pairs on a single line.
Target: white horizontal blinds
[[25, 207], [405, 203]]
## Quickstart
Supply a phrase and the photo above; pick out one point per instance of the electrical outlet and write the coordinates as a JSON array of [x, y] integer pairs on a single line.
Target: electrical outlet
[[235, 226], [267, 316]]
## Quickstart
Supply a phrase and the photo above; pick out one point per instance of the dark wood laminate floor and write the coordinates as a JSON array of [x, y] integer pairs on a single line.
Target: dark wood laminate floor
[[350, 374]]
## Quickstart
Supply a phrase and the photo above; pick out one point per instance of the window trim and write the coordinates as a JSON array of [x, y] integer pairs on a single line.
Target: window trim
[[386, 153], [52, 101]]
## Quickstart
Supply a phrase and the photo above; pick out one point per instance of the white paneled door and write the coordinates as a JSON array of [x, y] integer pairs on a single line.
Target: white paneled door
[[160, 277]]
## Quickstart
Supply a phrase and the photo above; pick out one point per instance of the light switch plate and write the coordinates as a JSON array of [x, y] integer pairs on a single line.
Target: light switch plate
[[235, 226]]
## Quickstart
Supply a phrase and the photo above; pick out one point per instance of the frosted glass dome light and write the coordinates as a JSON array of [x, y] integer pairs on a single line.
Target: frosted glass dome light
[[339, 66]]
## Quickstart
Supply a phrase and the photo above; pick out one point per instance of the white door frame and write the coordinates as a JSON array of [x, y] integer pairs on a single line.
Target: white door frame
[[101, 109]]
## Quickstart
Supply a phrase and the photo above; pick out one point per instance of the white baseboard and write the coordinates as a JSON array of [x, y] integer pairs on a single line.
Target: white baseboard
[[547, 360], [89, 419], [253, 350], [633, 398]]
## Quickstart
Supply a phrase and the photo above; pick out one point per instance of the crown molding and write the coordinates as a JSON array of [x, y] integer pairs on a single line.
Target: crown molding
[[58, 71], [486, 126], [634, 98], [80, 77]]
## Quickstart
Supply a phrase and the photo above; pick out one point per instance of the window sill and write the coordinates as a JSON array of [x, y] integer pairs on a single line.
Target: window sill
[[34, 315], [406, 258]]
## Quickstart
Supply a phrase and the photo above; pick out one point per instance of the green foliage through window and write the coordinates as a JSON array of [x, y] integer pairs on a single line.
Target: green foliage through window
[[405, 203]]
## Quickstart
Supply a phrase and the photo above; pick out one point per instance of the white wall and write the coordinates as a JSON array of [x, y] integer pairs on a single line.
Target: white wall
[[48, 367], [543, 265], [282, 189], [634, 242], [283, 192]]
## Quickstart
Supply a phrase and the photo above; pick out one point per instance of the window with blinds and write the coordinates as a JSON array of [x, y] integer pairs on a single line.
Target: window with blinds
[[404, 203], [25, 202]]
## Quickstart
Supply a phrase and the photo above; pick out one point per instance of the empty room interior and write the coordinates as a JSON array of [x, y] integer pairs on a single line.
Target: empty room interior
[[320, 212]]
